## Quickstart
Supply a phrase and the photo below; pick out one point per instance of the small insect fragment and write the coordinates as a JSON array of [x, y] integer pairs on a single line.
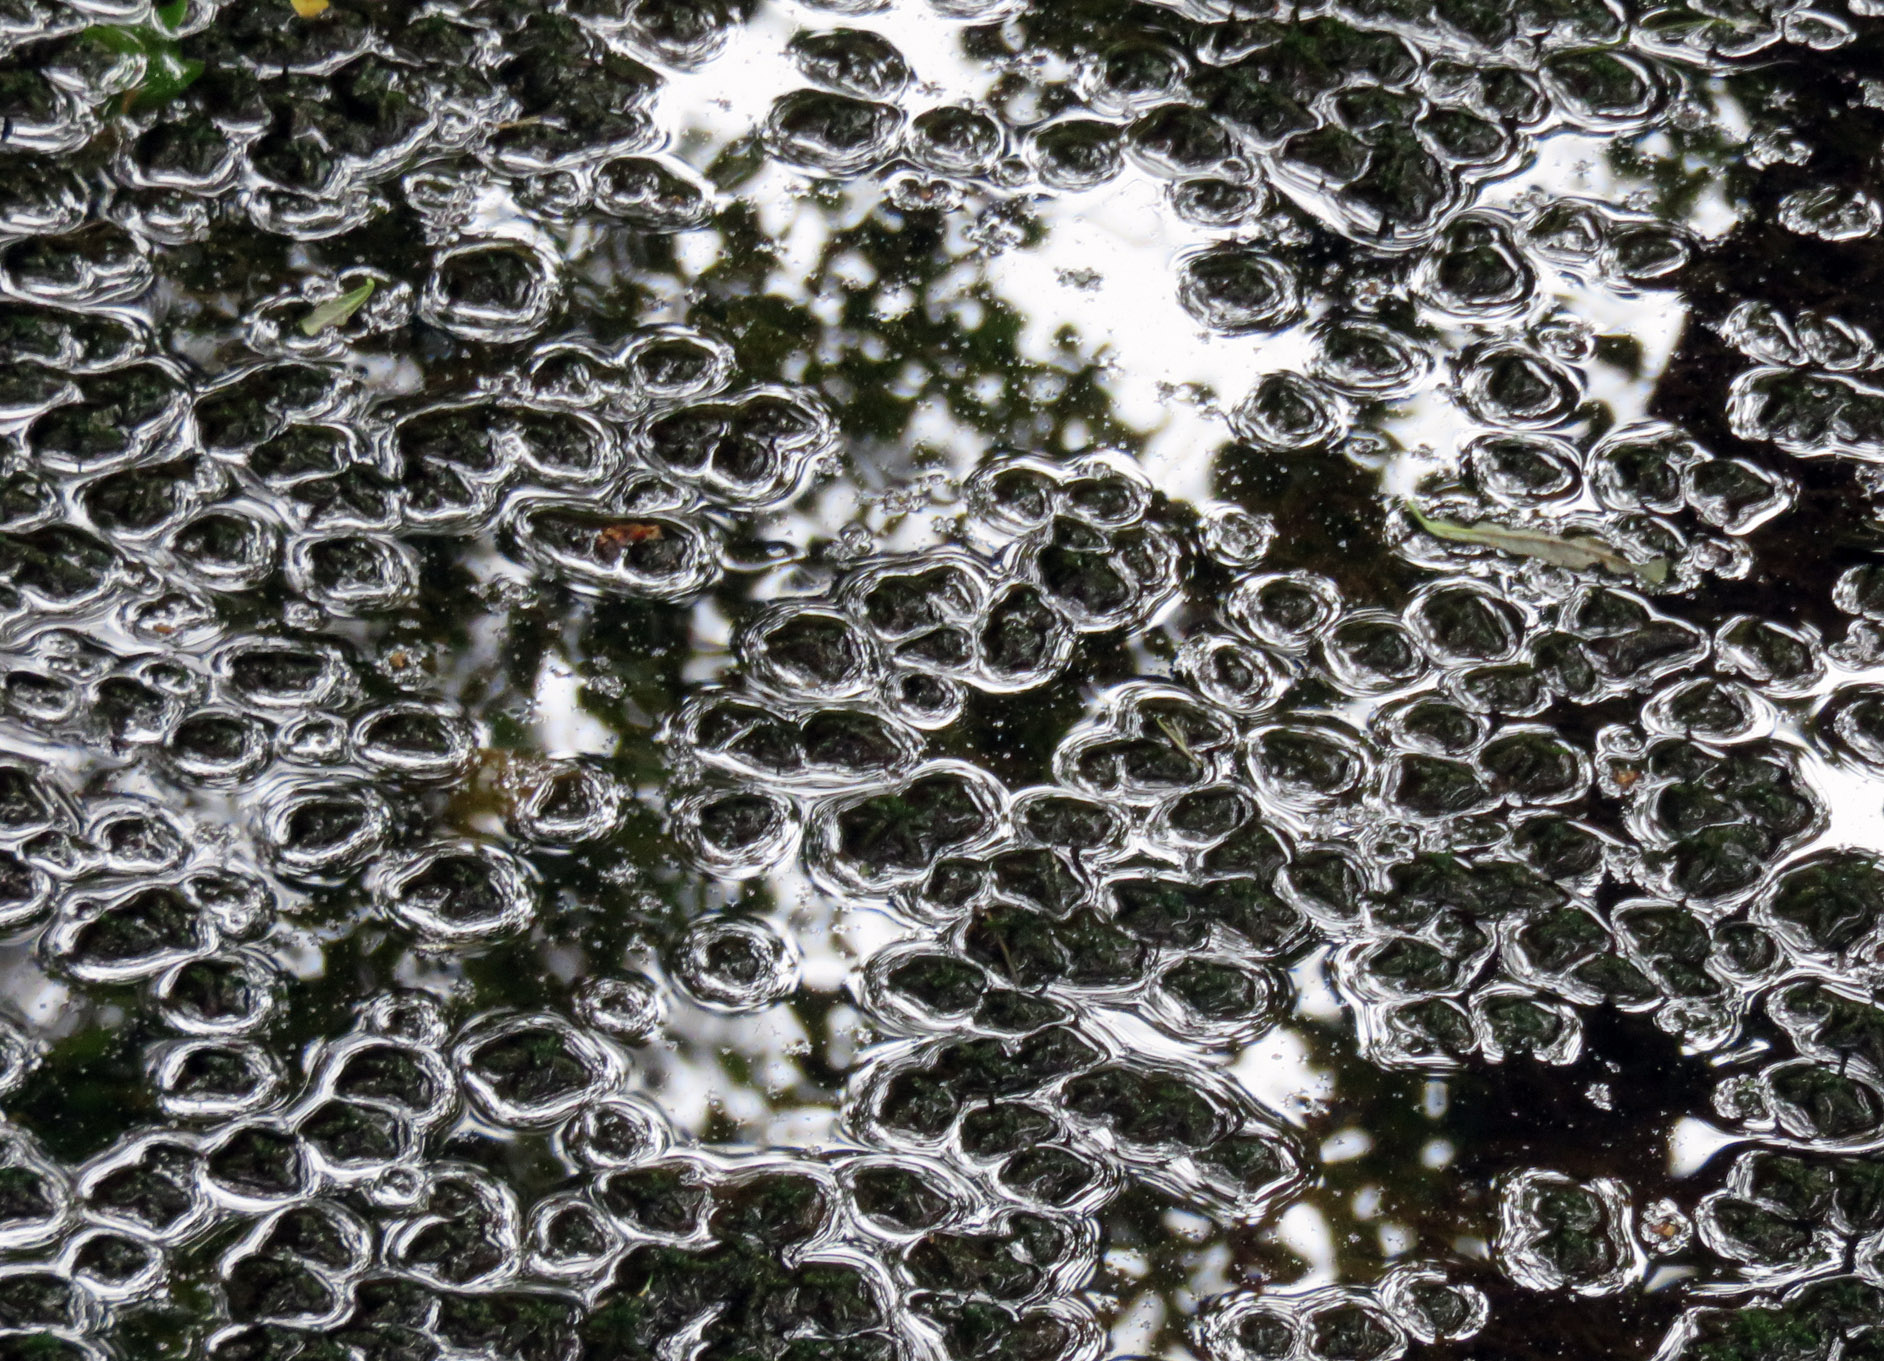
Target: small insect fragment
[[309, 9], [1572, 551], [1176, 735], [619, 536], [336, 311]]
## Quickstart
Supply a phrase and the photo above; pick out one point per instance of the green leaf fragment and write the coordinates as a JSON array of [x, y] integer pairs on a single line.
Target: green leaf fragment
[[167, 72], [336, 311], [126, 42], [1577, 552], [168, 76]]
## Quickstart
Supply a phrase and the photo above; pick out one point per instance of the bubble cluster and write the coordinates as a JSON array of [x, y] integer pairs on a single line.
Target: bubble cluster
[[901, 679]]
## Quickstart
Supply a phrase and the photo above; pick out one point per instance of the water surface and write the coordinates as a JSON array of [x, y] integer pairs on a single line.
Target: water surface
[[882, 680]]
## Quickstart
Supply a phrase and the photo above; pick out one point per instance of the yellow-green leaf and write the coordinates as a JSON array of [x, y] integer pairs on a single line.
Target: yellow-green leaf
[[1575, 551], [336, 311]]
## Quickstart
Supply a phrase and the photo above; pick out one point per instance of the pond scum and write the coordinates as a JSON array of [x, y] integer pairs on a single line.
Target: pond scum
[[885, 680]]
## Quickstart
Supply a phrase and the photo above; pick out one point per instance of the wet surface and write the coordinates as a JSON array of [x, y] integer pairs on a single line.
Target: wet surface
[[700, 680]]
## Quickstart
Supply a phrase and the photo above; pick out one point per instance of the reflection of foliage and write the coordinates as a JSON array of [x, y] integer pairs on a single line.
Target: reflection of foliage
[[1696, 160], [90, 1089], [892, 324], [904, 340]]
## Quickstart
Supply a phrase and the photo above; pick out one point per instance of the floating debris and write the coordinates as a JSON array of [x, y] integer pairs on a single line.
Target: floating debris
[[336, 311], [1574, 551], [167, 72]]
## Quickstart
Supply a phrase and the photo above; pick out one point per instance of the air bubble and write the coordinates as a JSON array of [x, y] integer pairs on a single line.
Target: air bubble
[[213, 1078], [1287, 412], [1366, 358], [1371, 652], [567, 1237], [1475, 270], [218, 995], [612, 1133], [567, 803], [735, 964], [1511, 386], [413, 741], [676, 363], [531, 1071], [1284, 610], [136, 933], [1554, 1233], [653, 194], [629, 1008], [1351, 1330], [1523, 469], [752, 450], [457, 891], [1432, 1308], [738, 834], [639, 552], [1076, 153], [832, 133], [955, 141], [318, 831], [491, 291], [1602, 89], [1309, 766], [283, 674], [148, 1188], [1236, 290], [804, 652], [851, 61]]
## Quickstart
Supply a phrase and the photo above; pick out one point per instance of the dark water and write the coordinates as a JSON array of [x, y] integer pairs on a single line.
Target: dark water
[[695, 680]]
